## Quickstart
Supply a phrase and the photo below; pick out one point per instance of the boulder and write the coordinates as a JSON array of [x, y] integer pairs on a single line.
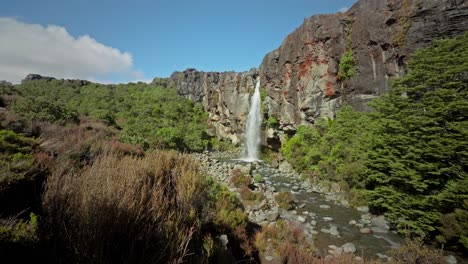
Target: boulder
[[349, 247]]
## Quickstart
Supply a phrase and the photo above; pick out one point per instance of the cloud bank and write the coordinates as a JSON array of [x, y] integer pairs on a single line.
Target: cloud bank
[[52, 51], [343, 9]]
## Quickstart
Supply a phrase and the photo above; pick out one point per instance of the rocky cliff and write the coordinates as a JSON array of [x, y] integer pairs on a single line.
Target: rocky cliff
[[300, 79]]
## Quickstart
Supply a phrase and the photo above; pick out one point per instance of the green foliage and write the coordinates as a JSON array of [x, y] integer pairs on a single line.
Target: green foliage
[[332, 149], [268, 155], [408, 158], [44, 109], [417, 163], [16, 157], [221, 145], [346, 68], [228, 209], [18, 234], [148, 116], [258, 178], [239, 180], [263, 94], [272, 122], [284, 200]]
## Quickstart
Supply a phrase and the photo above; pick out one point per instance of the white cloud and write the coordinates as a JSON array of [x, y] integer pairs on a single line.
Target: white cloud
[[343, 9], [52, 51]]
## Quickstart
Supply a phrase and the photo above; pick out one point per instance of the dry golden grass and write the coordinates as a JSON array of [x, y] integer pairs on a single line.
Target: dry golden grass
[[414, 251], [127, 209]]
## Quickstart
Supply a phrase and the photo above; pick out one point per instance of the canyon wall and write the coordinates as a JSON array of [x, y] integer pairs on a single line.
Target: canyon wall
[[300, 80]]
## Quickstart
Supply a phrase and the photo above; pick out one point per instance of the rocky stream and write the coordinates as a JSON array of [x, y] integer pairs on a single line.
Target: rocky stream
[[332, 226]]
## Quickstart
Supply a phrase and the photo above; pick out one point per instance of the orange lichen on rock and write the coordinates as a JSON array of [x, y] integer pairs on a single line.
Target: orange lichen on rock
[[330, 91], [304, 67]]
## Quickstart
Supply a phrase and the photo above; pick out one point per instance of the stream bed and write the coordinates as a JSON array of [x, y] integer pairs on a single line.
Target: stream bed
[[333, 224]]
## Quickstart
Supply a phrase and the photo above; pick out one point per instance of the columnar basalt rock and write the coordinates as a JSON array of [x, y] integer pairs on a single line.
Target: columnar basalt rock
[[300, 77]]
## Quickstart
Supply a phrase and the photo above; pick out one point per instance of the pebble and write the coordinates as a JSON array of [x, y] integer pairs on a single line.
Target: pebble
[[301, 219], [363, 209], [334, 231], [327, 218], [324, 206]]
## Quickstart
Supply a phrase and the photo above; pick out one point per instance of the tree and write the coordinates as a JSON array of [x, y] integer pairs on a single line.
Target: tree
[[418, 154]]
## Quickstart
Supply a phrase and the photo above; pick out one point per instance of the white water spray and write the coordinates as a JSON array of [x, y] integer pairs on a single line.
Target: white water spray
[[254, 122]]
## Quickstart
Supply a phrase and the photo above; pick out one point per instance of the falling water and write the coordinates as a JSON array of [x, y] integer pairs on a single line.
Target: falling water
[[254, 122]]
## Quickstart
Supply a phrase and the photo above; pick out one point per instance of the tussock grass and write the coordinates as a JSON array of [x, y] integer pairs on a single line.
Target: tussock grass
[[127, 209]]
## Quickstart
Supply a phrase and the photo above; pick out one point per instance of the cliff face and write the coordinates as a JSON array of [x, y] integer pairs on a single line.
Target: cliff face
[[300, 77], [224, 95]]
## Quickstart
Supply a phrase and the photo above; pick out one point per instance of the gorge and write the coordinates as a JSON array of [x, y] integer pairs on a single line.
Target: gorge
[[300, 78], [348, 138]]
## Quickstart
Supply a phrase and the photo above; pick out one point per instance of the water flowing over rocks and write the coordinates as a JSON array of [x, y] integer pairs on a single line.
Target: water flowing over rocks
[[324, 215]]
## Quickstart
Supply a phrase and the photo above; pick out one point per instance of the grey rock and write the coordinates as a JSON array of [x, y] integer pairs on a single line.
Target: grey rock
[[244, 168], [324, 206], [364, 209], [334, 231], [376, 229], [349, 247], [224, 240], [450, 259], [379, 221], [365, 230], [335, 187], [272, 216]]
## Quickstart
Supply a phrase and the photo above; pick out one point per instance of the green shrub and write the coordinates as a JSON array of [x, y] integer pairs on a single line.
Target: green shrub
[[346, 68], [152, 117], [258, 178], [19, 232], [285, 200], [44, 109], [239, 180], [272, 122], [16, 157]]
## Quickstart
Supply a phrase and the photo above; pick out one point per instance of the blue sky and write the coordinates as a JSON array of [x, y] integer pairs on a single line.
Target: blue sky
[[149, 38]]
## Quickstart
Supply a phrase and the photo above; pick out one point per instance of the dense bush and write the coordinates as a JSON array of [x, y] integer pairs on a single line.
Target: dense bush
[[148, 116], [332, 149], [408, 158], [16, 157]]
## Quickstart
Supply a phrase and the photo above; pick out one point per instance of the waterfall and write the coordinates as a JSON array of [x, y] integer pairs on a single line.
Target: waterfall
[[254, 123]]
